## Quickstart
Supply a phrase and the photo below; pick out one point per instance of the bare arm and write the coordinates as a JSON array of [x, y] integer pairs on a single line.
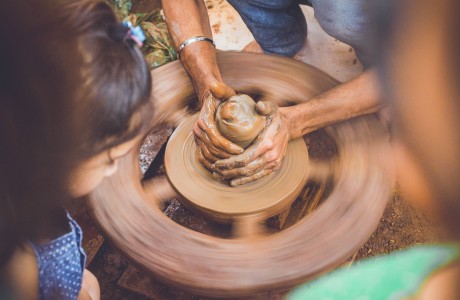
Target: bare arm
[[90, 289], [186, 19], [356, 97], [351, 99], [22, 273], [189, 18]]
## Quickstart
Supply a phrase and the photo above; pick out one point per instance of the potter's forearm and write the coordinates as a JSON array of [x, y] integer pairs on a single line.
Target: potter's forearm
[[186, 19], [356, 97]]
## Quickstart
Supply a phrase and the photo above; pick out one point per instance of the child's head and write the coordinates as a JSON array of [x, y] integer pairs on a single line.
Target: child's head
[[73, 94], [35, 133], [422, 75], [111, 106]]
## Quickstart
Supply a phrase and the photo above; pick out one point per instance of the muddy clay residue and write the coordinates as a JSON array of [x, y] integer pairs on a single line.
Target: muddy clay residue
[[238, 120]]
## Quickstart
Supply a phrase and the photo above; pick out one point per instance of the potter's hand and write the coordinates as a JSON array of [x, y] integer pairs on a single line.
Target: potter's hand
[[211, 144], [264, 155]]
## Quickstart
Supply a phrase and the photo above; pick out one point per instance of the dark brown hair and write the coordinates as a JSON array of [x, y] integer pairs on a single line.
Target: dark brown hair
[[116, 82], [72, 84], [35, 133]]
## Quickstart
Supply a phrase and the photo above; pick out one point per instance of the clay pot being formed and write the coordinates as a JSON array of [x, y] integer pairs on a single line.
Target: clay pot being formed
[[238, 121]]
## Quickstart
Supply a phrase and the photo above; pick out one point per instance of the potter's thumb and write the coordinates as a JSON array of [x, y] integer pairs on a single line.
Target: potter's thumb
[[222, 91], [266, 108]]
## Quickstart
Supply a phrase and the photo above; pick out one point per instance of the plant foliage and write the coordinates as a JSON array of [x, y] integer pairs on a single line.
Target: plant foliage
[[158, 48]]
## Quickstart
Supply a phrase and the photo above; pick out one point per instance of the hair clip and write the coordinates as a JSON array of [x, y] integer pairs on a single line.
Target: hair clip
[[135, 33]]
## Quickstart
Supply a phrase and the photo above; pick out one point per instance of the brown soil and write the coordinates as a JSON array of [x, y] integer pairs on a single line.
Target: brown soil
[[401, 226], [145, 5]]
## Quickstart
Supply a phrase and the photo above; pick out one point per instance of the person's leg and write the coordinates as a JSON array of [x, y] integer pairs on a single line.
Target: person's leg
[[348, 21], [278, 26]]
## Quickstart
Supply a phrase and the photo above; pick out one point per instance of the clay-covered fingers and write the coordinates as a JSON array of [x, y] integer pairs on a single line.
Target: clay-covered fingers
[[258, 147], [255, 170], [207, 126], [266, 108], [236, 161], [271, 160], [244, 180], [206, 153], [205, 144], [203, 160], [263, 157], [219, 142], [221, 91], [245, 171]]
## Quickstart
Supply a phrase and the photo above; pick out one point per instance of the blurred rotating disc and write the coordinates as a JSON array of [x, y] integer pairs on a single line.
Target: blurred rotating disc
[[130, 211]]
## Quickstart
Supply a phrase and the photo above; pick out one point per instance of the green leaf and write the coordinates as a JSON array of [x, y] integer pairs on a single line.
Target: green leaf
[[120, 7], [131, 18], [124, 6], [158, 48], [156, 58]]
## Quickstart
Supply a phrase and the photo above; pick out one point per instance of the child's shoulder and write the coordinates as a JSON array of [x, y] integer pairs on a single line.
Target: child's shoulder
[[400, 274], [442, 284], [61, 262], [22, 273]]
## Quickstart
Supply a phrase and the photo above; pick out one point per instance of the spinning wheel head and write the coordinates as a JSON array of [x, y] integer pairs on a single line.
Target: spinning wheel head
[[198, 188], [131, 215]]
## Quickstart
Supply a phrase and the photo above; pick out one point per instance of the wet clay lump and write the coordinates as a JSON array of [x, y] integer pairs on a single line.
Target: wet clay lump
[[238, 121]]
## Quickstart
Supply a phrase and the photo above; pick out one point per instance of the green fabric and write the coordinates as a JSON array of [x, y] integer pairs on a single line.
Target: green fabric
[[394, 276]]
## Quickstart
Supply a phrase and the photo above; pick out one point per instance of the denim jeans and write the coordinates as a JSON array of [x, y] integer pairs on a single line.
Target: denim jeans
[[279, 26]]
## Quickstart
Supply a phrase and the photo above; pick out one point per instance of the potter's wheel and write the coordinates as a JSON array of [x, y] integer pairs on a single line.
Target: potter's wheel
[[267, 196], [129, 210]]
